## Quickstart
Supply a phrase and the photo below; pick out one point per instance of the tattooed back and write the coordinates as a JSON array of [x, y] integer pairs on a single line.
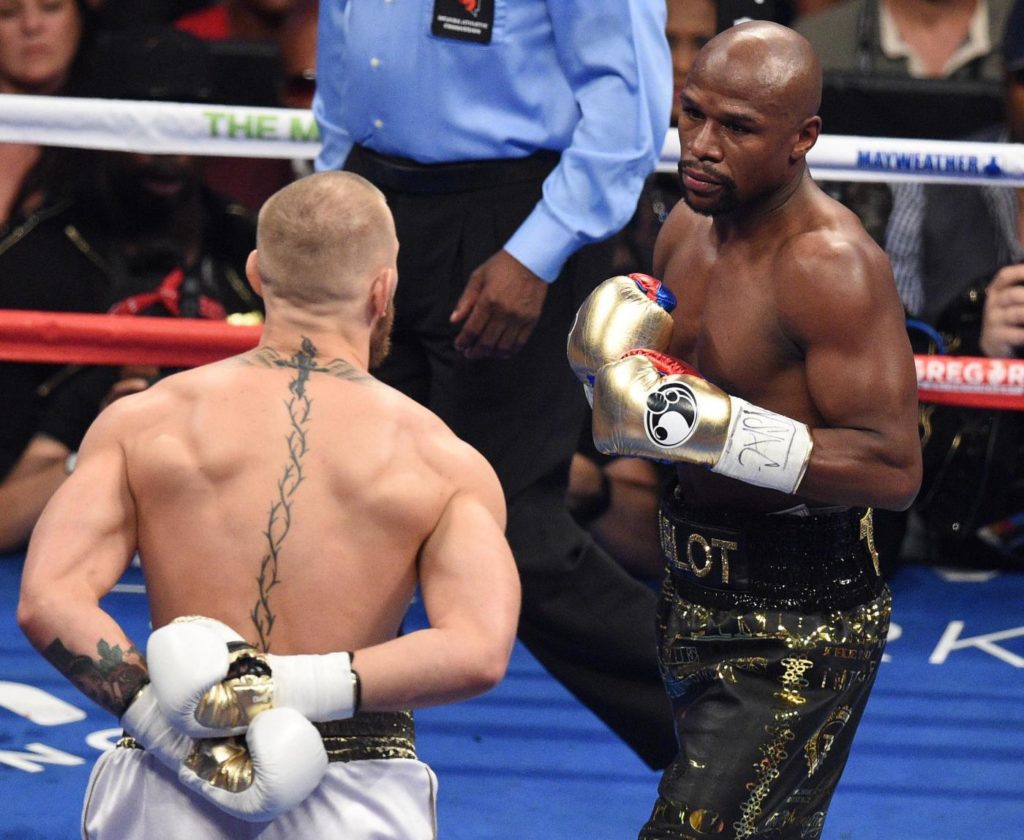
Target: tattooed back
[[288, 497]]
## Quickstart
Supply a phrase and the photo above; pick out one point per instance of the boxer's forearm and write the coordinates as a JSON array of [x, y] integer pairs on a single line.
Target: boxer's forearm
[[86, 645], [427, 668], [863, 468]]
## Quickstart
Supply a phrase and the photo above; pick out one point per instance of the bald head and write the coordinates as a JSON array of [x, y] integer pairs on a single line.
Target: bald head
[[321, 239], [768, 63]]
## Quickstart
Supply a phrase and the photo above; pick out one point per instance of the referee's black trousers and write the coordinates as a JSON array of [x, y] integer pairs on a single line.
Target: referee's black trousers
[[585, 619]]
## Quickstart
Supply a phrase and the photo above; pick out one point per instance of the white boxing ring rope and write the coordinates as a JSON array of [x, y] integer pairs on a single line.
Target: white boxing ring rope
[[176, 128], [215, 130]]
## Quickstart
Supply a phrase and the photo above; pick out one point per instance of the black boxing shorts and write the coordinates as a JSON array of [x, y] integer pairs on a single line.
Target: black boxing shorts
[[770, 632]]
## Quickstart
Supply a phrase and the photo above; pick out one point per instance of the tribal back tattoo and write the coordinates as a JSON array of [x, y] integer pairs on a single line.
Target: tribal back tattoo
[[299, 406], [114, 675]]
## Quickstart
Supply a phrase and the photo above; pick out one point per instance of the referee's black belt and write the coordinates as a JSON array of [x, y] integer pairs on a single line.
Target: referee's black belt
[[409, 176], [825, 560]]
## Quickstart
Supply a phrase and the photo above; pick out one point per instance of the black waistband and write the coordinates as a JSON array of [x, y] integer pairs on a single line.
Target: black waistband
[[404, 175], [367, 736], [819, 561]]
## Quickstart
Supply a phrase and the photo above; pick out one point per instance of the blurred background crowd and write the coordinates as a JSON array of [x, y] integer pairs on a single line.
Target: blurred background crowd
[[168, 235]]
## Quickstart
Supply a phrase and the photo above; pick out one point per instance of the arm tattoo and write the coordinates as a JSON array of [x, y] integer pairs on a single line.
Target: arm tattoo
[[112, 680]]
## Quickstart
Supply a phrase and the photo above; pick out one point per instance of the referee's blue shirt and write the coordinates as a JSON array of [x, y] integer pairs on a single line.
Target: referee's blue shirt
[[589, 78]]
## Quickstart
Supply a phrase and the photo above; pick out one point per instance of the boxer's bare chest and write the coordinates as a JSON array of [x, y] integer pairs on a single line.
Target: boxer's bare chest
[[728, 325], [727, 320]]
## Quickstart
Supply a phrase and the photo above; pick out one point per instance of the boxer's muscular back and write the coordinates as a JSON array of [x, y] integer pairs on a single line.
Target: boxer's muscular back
[[290, 505]]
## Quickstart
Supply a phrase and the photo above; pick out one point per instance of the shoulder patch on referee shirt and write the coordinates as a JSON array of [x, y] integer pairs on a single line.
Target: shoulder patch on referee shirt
[[463, 20]]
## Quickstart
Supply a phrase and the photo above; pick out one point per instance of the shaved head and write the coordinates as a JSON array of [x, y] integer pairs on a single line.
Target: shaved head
[[321, 239], [770, 64], [748, 118]]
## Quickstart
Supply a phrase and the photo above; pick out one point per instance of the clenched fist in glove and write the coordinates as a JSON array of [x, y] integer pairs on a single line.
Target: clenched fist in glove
[[621, 314], [210, 682], [276, 766], [651, 405]]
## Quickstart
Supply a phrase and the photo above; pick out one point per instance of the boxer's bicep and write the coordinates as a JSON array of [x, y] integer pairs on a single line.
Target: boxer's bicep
[[87, 529], [82, 543], [471, 594], [467, 574], [860, 370], [85, 537], [838, 304], [860, 378]]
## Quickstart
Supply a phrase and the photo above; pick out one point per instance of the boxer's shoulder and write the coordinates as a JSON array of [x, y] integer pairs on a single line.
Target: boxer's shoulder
[[135, 409], [680, 233]]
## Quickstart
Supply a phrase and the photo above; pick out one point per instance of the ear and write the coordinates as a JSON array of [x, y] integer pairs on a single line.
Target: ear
[[252, 273], [806, 137], [382, 290]]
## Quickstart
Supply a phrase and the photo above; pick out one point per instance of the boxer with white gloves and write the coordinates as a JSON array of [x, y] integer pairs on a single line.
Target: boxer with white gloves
[[280, 762], [623, 313], [652, 405], [228, 482], [210, 682]]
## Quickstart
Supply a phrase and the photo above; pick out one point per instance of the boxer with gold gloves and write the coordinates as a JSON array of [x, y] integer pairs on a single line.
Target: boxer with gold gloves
[[773, 613]]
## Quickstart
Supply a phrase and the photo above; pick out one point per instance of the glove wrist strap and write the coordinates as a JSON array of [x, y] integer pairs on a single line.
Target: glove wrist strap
[[764, 448], [321, 686]]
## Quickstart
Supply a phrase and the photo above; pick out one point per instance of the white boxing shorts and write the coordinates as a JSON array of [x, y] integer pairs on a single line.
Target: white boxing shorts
[[132, 796]]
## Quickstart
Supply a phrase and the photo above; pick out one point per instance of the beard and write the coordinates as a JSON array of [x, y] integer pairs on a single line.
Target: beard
[[380, 338], [727, 200]]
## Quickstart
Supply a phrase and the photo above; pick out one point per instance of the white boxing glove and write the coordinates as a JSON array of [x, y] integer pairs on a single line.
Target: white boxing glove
[[189, 660], [275, 767], [210, 683], [278, 763], [146, 723]]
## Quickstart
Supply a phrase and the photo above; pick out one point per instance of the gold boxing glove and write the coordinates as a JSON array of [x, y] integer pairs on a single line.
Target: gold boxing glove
[[650, 405], [621, 314]]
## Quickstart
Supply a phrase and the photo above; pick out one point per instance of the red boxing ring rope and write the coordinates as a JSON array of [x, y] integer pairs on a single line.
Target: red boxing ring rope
[[77, 338]]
